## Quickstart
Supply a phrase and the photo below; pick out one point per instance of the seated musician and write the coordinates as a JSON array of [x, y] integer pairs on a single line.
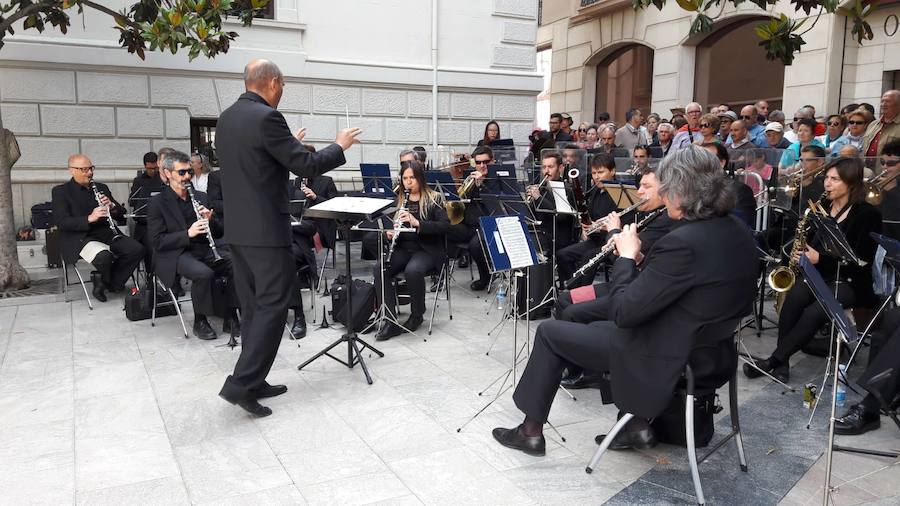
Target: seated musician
[[541, 198], [181, 245], [884, 355], [85, 229], [144, 186], [890, 190], [745, 206], [702, 275], [415, 253], [483, 157], [801, 315], [599, 205]]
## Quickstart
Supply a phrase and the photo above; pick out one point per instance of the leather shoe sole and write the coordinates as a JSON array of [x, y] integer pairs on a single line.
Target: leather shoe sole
[[630, 440], [269, 391], [512, 438], [251, 406]]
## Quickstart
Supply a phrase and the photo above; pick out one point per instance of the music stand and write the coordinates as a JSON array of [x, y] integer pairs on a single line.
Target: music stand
[[377, 180], [621, 192], [339, 209]]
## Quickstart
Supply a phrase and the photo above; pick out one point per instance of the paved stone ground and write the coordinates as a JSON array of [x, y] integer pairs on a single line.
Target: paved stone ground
[[98, 410]]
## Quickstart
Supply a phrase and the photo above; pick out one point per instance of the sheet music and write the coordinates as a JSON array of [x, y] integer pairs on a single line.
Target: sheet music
[[559, 197], [514, 241], [362, 205]]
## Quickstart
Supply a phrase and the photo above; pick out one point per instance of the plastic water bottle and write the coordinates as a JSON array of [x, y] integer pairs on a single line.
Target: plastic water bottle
[[501, 297], [841, 389]]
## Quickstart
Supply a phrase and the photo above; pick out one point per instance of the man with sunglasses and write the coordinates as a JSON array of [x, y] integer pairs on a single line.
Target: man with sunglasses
[[181, 246], [85, 231], [482, 157]]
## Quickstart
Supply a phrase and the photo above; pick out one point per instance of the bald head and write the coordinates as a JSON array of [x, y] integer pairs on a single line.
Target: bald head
[[265, 79], [79, 160], [81, 168]]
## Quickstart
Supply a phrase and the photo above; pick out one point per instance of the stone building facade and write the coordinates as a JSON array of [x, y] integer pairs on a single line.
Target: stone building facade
[[80, 93], [589, 38]]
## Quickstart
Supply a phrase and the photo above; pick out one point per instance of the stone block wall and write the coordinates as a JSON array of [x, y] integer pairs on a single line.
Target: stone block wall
[[115, 116]]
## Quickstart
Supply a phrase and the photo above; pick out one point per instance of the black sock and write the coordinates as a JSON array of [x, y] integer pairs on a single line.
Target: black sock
[[531, 428]]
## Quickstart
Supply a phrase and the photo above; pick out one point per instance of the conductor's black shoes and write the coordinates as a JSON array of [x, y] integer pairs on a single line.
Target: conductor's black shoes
[[268, 390], [857, 421], [512, 438], [203, 330]]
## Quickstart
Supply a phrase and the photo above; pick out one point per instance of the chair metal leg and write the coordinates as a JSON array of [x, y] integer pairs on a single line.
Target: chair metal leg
[[735, 421], [322, 270], [178, 310], [83, 287], [691, 449], [607, 441], [153, 309], [65, 281], [447, 288]]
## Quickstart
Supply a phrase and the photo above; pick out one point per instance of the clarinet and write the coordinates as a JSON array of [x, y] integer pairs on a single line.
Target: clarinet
[[609, 248], [397, 225], [212, 243], [109, 221]]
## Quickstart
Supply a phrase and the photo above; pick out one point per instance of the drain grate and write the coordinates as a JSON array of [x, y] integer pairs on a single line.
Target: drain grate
[[48, 286]]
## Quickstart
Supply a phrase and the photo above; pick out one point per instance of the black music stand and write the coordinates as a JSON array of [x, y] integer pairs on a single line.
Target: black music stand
[[338, 209]]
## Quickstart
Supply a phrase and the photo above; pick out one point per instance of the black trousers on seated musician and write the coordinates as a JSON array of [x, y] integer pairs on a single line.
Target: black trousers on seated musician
[[802, 316], [573, 256], [116, 265], [415, 263], [198, 265]]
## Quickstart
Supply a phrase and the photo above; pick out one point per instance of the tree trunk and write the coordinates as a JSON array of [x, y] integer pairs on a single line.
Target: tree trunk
[[12, 275]]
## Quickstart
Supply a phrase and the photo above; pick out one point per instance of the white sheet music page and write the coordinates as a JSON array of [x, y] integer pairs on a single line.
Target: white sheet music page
[[559, 197], [514, 241], [364, 205]]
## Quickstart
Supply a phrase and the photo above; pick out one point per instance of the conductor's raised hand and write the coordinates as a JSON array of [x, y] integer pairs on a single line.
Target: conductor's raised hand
[[628, 244], [347, 137]]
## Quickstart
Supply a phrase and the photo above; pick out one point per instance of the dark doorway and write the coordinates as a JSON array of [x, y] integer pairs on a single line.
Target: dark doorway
[[625, 80], [203, 138]]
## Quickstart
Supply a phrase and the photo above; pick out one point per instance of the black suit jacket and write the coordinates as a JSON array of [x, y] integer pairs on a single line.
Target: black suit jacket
[[432, 231], [256, 150], [862, 219], [214, 194], [70, 217], [698, 279], [167, 230]]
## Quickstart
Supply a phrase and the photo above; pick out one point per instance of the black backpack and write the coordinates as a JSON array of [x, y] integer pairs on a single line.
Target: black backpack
[[42, 215], [138, 304], [363, 301]]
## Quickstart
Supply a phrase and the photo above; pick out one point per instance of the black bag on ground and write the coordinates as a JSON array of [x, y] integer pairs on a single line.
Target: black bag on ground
[[138, 305], [363, 301], [42, 215], [669, 426], [51, 248]]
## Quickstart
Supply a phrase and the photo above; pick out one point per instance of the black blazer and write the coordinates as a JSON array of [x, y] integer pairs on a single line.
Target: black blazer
[[167, 230], [565, 223], [214, 194], [256, 150], [697, 280], [862, 218], [432, 231], [70, 212]]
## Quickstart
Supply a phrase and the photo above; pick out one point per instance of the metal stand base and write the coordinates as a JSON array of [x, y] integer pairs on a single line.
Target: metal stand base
[[354, 356]]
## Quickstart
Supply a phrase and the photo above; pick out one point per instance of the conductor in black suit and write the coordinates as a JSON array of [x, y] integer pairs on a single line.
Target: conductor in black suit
[[699, 277], [256, 151]]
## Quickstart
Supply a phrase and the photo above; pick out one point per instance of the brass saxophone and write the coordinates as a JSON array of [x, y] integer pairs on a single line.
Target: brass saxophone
[[782, 278]]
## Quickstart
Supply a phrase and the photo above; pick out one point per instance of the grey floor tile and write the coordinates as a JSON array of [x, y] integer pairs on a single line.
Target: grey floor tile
[[285, 495], [303, 426], [332, 462], [42, 405], [401, 432], [47, 486], [111, 379], [113, 460], [167, 491], [38, 447], [357, 490]]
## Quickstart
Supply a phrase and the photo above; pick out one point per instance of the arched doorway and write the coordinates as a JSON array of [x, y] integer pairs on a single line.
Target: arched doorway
[[624, 80], [731, 68]]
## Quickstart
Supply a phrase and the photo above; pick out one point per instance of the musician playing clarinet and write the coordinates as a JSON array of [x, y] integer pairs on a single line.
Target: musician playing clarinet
[[414, 253], [599, 205], [85, 229], [181, 246], [541, 197]]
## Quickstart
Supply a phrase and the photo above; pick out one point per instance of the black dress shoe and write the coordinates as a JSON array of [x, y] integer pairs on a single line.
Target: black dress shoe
[[413, 322], [203, 330], [298, 329], [268, 390], [781, 372], [631, 439], [512, 438], [97, 288], [463, 262], [478, 285], [582, 381], [388, 330], [857, 421]]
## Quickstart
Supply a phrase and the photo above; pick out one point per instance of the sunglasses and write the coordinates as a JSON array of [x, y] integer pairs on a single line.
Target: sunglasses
[[833, 124], [182, 172], [705, 125], [889, 163], [482, 162], [855, 122], [797, 119], [84, 170], [582, 129]]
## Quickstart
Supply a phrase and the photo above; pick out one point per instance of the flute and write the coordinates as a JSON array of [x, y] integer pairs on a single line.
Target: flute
[[597, 225]]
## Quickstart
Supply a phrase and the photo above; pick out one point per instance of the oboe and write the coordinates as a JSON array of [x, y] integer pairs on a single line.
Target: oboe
[[212, 243], [397, 225], [609, 248], [109, 221]]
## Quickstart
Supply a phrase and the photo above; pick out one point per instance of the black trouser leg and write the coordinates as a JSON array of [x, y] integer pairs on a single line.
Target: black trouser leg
[[884, 355], [141, 236], [128, 254], [300, 259], [476, 253], [103, 262], [415, 271], [557, 345], [801, 316], [570, 258], [263, 278], [201, 276], [587, 311], [397, 265]]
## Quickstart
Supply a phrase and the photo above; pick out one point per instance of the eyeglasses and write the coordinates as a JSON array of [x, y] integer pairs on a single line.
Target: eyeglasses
[[704, 125], [182, 172], [797, 119], [482, 162], [582, 129], [834, 124], [889, 163], [855, 122], [693, 112], [84, 170]]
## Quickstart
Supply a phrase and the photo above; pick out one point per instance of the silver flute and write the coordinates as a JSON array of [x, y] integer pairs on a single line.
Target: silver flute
[[397, 225], [609, 247], [212, 243], [597, 225], [109, 220]]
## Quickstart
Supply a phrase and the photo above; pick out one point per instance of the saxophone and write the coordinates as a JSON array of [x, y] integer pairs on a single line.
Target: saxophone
[[782, 278]]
